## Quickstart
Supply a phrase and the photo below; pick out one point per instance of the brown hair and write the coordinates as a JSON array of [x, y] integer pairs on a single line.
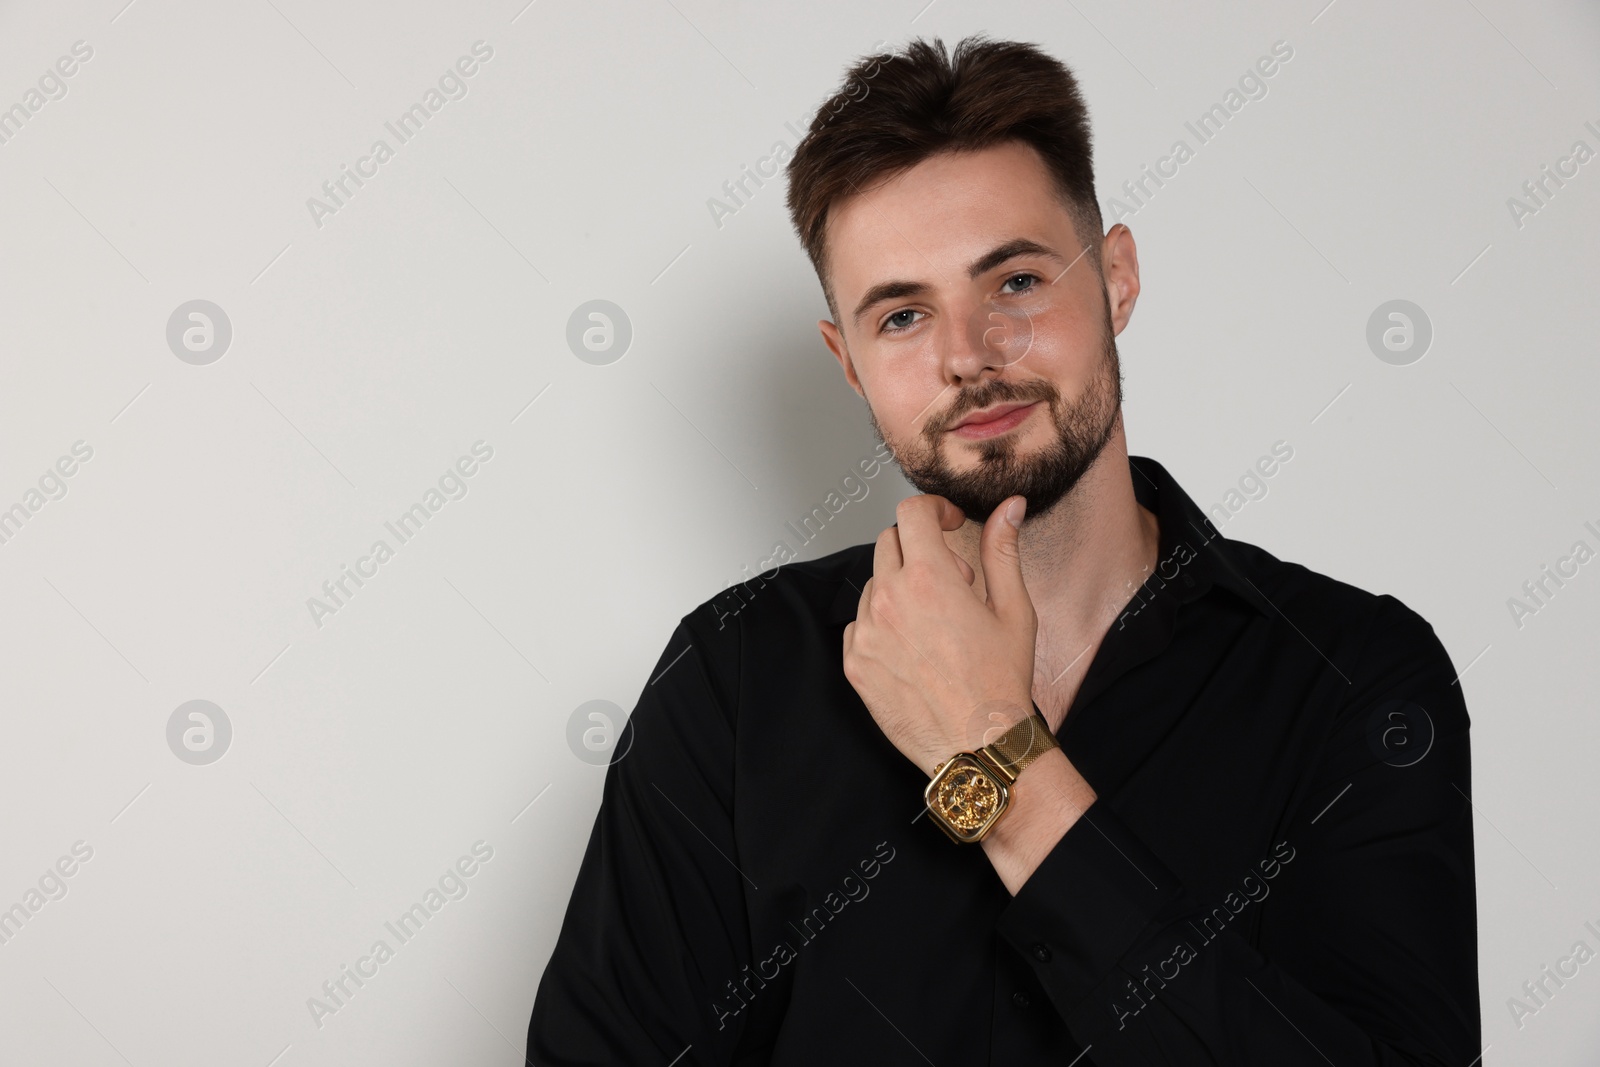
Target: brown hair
[[895, 110]]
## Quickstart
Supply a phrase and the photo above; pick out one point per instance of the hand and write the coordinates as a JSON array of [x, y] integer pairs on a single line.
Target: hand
[[936, 663]]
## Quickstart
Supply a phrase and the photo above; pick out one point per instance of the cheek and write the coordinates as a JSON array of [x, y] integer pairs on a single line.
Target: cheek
[[1066, 346], [903, 379], [904, 408]]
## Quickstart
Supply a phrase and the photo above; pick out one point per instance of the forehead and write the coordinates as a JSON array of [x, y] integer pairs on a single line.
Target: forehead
[[930, 221]]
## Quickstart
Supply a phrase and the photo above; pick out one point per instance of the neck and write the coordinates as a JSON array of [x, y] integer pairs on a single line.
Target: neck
[[1082, 561]]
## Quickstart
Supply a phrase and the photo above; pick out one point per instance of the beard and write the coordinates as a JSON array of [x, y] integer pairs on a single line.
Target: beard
[[1082, 429]]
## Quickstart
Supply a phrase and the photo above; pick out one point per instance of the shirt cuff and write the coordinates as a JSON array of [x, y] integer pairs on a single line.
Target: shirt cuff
[[1092, 900]]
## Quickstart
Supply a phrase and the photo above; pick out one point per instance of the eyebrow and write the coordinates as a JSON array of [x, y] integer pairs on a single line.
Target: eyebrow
[[895, 290]]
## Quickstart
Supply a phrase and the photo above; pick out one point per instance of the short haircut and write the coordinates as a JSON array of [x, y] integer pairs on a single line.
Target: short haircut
[[895, 110]]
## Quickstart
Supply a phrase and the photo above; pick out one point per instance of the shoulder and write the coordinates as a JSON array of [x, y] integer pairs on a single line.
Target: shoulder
[[805, 594], [1381, 646], [778, 616], [1295, 591], [788, 606]]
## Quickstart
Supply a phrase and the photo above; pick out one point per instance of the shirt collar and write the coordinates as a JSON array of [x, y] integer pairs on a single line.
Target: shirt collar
[[1193, 556]]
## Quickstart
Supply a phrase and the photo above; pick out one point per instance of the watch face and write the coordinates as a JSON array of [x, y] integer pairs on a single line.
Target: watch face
[[966, 797]]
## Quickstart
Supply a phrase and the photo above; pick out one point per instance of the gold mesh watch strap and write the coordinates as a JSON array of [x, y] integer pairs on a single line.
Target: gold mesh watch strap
[[1020, 745]]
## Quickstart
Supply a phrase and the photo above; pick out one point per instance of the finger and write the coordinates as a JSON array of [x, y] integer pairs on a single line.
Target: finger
[[887, 556], [864, 601], [922, 527], [1002, 562], [953, 518]]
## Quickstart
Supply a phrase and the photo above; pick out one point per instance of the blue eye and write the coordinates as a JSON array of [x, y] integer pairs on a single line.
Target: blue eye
[[904, 323], [1033, 278]]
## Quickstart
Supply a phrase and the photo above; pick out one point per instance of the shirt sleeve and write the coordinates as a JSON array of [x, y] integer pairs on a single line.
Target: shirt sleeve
[[1364, 914], [655, 927]]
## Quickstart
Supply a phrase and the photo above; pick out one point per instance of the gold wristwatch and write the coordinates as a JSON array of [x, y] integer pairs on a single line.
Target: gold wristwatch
[[971, 790]]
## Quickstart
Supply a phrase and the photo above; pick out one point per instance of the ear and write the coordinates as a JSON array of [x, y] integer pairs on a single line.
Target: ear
[[1119, 258], [835, 342]]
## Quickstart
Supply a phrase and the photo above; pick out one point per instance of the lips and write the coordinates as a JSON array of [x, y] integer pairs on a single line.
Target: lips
[[987, 415]]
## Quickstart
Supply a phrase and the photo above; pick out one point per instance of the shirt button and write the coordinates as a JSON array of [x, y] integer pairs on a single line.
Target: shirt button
[[1020, 999], [1041, 952]]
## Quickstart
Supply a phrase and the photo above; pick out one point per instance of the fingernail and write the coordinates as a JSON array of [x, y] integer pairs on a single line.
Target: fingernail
[[1015, 509]]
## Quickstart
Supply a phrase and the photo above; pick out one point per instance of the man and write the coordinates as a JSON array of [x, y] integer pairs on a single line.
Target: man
[[1051, 773]]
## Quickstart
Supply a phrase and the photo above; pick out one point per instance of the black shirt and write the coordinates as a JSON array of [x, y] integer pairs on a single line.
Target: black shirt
[[1278, 870]]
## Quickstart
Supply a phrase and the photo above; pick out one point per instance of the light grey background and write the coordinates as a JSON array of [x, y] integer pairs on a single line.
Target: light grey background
[[430, 312]]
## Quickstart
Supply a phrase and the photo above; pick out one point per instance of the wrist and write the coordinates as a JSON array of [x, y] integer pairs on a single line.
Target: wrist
[[1047, 800], [971, 792], [990, 720]]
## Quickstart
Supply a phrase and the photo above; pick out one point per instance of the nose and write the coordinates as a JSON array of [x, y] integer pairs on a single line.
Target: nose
[[993, 337]]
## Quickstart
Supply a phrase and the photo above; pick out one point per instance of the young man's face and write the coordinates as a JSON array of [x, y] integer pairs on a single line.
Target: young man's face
[[963, 291]]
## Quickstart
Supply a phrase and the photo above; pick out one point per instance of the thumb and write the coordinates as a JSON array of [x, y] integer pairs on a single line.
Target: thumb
[[1002, 561]]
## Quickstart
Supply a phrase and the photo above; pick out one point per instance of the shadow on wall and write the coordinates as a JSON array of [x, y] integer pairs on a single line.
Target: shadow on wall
[[838, 485]]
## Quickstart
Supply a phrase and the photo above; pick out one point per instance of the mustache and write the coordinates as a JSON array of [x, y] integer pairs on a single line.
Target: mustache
[[995, 391]]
